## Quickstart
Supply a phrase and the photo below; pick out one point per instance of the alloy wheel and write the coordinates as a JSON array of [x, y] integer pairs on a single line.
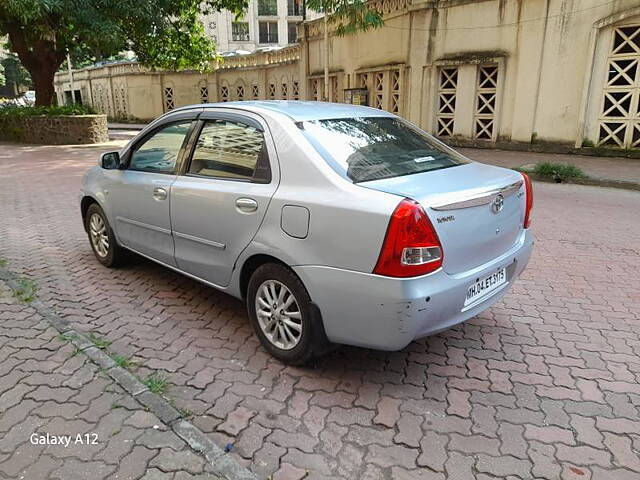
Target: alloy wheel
[[278, 314], [98, 234]]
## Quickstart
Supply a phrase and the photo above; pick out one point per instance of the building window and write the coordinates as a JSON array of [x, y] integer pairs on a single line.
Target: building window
[[268, 32], [204, 94], [447, 91], [240, 31], [292, 32], [486, 95], [169, 103], [267, 7], [294, 8], [619, 124], [255, 91]]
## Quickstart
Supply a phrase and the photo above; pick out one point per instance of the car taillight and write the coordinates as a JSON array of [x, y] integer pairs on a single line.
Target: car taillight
[[411, 246], [528, 192]]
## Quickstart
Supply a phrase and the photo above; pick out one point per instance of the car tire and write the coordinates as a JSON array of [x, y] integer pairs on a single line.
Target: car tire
[[98, 229], [277, 332]]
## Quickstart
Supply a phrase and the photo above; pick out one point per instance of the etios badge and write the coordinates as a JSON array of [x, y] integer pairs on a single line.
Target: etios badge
[[498, 203]]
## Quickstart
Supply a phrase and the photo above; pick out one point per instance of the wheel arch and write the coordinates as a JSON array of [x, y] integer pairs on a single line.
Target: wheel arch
[[85, 203], [251, 264]]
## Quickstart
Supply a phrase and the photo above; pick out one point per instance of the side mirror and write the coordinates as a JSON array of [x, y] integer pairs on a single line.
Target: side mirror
[[110, 160]]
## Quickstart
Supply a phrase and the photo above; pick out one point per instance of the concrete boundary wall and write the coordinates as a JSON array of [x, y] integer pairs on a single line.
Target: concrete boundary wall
[[527, 72], [54, 129]]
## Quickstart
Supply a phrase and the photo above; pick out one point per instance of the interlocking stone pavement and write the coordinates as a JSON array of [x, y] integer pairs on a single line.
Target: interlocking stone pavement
[[62, 418], [544, 385]]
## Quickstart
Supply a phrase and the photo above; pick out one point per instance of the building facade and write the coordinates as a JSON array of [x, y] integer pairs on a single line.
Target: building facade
[[557, 73], [266, 23]]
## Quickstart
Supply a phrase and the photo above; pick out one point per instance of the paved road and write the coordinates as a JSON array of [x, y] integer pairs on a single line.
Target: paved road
[[544, 385]]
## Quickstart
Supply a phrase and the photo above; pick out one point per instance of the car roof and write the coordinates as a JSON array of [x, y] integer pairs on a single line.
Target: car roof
[[298, 110]]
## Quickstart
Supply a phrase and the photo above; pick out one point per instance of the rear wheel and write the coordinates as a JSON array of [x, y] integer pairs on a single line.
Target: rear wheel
[[103, 242], [283, 315]]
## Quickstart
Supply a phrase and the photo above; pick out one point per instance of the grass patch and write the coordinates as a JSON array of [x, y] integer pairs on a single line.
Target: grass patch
[[25, 290], [558, 171], [67, 337], [124, 362], [3, 262], [156, 383], [99, 342]]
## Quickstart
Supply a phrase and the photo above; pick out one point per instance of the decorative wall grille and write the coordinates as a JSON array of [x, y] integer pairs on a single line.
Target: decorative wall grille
[[255, 91], [394, 106], [169, 102], [204, 94], [334, 89], [296, 90], [316, 89], [447, 92], [486, 99], [620, 115], [272, 91], [224, 93], [240, 92], [378, 89], [284, 91]]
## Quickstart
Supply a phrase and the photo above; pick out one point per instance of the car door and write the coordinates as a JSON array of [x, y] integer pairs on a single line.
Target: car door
[[140, 195], [218, 204]]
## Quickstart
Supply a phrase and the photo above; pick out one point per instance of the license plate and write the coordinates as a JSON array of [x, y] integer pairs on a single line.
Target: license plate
[[485, 286]]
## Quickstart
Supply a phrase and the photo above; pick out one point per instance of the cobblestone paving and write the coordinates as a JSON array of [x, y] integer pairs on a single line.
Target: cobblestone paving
[[61, 418], [544, 385]]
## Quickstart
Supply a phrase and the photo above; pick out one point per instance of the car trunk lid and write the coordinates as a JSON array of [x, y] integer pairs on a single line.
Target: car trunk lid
[[461, 204]]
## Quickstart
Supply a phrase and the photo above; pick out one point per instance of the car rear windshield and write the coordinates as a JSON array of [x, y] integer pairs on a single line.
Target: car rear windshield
[[373, 148]]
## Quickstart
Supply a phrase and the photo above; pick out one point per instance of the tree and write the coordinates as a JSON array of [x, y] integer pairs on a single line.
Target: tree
[[15, 74], [162, 33], [351, 16]]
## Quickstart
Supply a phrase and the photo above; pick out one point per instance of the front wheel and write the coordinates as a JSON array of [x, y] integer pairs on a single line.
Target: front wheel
[[101, 237], [283, 315]]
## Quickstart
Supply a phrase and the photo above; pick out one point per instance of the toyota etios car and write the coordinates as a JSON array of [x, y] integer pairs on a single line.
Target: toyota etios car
[[336, 224]]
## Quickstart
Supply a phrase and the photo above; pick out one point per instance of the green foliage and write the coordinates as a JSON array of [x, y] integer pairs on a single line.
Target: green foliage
[[14, 72], [156, 383], [2, 77], [3, 262], [558, 171], [25, 290], [164, 34], [52, 110], [351, 16], [99, 342], [124, 362]]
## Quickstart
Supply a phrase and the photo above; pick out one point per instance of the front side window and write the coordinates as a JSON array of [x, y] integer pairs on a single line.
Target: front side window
[[230, 150], [373, 148], [159, 152]]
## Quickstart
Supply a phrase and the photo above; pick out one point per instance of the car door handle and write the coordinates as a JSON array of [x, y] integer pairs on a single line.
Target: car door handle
[[246, 205], [159, 193]]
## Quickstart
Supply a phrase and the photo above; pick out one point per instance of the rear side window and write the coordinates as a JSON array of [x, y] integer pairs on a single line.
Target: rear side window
[[230, 150], [373, 148], [159, 152]]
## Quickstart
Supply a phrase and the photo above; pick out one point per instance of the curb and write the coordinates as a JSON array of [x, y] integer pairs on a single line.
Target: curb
[[594, 182], [220, 462]]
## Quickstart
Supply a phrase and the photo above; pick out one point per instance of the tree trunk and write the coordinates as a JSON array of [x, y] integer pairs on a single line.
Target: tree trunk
[[325, 95], [43, 85], [41, 58]]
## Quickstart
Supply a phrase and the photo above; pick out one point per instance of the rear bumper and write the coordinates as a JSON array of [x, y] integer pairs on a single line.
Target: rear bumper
[[372, 311]]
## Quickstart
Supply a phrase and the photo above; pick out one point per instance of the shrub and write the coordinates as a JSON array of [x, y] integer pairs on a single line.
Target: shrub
[[52, 110], [558, 171]]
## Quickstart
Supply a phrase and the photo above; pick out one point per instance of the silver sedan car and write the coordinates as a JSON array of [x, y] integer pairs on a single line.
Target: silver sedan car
[[336, 224]]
